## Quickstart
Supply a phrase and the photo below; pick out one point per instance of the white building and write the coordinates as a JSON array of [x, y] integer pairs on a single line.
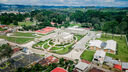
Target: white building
[[63, 37], [111, 46], [99, 56], [95, 44], [2, 41], [82, 67]]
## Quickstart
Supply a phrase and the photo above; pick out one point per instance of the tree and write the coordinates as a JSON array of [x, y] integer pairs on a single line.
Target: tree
[[15, 23], [123, 27], [5, 51]]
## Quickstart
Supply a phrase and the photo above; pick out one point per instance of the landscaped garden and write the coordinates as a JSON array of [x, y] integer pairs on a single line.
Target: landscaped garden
[[87, 55], [122, 49], [50, 46], [39, 44]]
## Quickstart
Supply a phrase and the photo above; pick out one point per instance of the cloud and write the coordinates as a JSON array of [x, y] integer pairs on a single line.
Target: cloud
[[69, 2]]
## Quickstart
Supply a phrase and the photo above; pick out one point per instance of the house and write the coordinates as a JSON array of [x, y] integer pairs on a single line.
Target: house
[[82, 67], [2, 41], [48, 60], [110, 47], [124, 66], [95, 44], [110, 60], [99, 57], [58, 69]]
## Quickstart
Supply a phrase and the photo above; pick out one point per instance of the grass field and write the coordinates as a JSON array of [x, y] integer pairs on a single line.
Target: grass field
[[20, 37], [24, 34], [28, 23], [122, 49], [17, 40], [87, 55]]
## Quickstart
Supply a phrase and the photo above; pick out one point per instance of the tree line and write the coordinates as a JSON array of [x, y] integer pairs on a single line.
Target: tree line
[[110, 22]]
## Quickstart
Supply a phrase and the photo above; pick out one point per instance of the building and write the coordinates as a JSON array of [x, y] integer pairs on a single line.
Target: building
[[109, 60], [95, 44], [124, 66], [58, 69], [48, 60], [2, 41], [82, 67], [63, 38], [99, 57], [110, 47], [46, 30]]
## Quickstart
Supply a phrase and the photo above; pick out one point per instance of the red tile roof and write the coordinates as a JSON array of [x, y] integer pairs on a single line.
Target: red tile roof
[[48, 60], [46, 30], [3, 26], [117, 66], [58, 69], [16, 50]]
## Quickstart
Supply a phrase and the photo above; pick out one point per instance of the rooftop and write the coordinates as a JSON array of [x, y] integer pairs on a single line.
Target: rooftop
[[111, 44], [82, 65], [100, 53], [58, 69], [96, 43]]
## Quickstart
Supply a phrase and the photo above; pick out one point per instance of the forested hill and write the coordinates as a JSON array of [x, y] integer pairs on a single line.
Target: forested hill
[[8, 6]]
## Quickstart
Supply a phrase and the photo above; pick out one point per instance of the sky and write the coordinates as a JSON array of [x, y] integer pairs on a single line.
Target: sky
[[109, 3]]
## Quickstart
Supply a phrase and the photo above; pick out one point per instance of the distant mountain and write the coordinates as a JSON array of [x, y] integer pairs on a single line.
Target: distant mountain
[[31, 7]]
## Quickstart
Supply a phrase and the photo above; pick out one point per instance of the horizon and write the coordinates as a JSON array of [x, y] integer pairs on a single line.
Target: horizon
[[100, 3]]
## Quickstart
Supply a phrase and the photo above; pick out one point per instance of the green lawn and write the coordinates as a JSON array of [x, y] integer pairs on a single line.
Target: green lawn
[[71, 25], [55, 48], [24, 34], [122, 49], [79, 36], [17, 40], [28, 23], [65, 50], [46, 46], [87, 55]]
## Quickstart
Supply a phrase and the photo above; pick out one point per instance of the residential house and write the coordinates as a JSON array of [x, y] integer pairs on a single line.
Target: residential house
[[99, 57], [124, 66], [110, 47], [82, 67], [48, 60], [95, 44]]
